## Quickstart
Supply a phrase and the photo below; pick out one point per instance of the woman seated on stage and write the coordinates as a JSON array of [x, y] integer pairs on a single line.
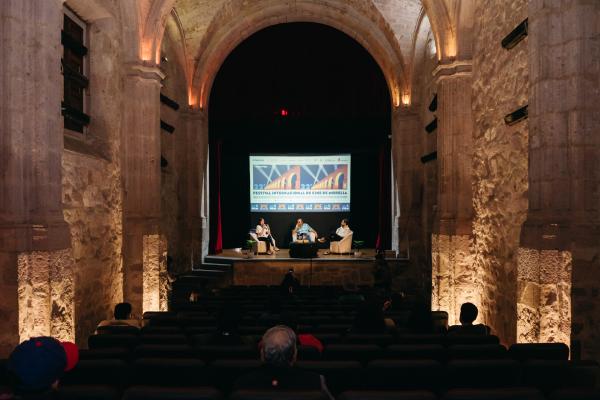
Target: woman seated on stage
[[263, 232], [303, 231], [339, 234]]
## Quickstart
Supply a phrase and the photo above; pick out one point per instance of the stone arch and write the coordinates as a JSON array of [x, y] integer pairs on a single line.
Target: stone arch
[[421, 35], [464, 29], [452, 26], [443, 29], [362, 22], [176, 33], [153, 30], [131, 30]]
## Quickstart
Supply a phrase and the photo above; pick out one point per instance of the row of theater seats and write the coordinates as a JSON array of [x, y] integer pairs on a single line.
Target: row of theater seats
[[209, 393], [544, 375], [110, 338], [358, 352]]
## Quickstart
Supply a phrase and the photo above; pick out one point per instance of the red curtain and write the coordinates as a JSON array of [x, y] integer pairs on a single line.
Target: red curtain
[[216, 227], [384, 206]]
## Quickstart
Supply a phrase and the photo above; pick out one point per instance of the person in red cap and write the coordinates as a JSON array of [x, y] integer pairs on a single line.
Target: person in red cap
[[36, 366]]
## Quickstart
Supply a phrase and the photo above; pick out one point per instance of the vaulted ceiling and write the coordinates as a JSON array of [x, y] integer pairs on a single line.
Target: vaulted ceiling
[[196, 17], [395, 32]]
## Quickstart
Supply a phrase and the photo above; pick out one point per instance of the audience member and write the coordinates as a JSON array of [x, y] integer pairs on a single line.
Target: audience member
[[339, 234], [122, 316], [303, 231], [304, 339], [36, 366], [382, 274], [290, 283], [386, 305], [468, 315], [278, 353]]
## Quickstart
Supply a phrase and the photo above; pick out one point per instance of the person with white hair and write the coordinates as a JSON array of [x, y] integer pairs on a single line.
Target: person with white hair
[[278, 354]]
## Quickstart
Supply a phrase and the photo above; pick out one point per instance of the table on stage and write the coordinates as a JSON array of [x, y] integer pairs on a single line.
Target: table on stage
[[303, 250]]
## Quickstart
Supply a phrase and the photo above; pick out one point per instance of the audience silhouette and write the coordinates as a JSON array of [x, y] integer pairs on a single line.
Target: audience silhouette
[[468, 315]]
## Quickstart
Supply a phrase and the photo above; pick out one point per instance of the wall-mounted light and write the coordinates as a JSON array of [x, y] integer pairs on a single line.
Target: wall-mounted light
[[429, 157], [516, 35], [433, 104], [516, 116], [432, 126]]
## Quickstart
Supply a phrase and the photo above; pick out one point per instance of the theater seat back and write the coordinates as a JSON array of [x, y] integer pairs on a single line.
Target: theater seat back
[[539, 351], [339, 375], [275, 395], [98, 372], [388, 395], [404, 374], [169, 372], [88, 392], [494, 394], [483, 373], [162, 393]]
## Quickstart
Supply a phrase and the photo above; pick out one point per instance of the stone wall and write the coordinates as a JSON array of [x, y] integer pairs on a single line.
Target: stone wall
[[92, 192], [560, 240], [500, 86], [173, 184], [92, 208], [316, 273], [416, 226]]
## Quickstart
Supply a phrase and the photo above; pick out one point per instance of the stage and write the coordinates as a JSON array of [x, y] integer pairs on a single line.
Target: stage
[[326, 269]]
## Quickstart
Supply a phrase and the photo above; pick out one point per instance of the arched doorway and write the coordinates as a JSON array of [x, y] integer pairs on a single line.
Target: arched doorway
[[334, 102]]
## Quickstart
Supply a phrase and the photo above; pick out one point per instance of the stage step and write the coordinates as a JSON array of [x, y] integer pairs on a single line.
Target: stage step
[[213, 266], [215, 263]]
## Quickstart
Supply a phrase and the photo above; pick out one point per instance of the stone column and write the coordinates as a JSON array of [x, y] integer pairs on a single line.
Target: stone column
[[195, 148], [455, 280], [559, 252], [144, 254], [407, 134], [35, 254]]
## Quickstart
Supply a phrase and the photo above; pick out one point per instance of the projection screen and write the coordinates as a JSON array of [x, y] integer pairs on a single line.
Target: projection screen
[[300, 183]]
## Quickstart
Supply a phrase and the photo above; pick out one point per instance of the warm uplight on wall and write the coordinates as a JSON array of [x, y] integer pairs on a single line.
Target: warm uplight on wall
[[46, 304], [146, 50], [406, 99], [192, 99], [155, 285], [451, 48]]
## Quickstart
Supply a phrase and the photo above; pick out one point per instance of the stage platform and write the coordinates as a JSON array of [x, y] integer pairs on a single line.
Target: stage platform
[[326, 269]]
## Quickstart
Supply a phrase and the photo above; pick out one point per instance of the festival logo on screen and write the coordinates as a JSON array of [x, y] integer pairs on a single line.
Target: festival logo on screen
[[300, 183]]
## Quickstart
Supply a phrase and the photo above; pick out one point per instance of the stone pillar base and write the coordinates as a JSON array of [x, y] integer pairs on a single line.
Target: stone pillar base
[[454, 277], [9, 303], [155, 278], [46, 304], [544, 296]]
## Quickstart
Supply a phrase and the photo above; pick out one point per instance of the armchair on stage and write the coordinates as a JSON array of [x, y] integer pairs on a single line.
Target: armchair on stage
[[260, 247], [344, 246]]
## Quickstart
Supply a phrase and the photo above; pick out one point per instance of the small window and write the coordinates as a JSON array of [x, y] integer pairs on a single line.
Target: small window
[[74, 41]]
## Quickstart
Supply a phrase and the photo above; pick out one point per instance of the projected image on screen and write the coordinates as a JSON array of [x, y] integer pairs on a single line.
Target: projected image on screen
[[300, 183]]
